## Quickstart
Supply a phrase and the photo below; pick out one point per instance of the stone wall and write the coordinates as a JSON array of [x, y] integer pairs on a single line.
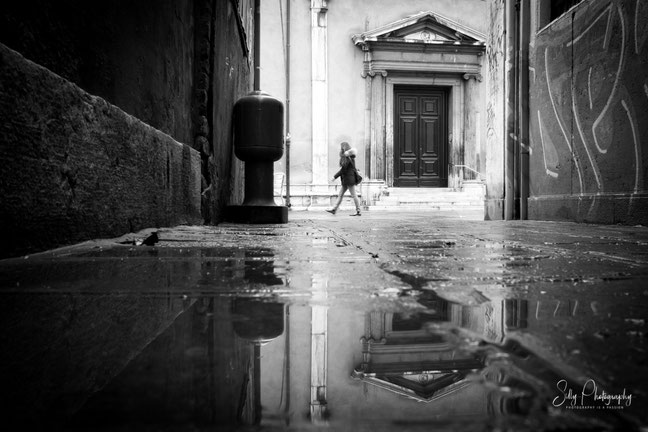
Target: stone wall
[[137, 55], [75, 167], [175, 65], [224, 65], [589, 115]]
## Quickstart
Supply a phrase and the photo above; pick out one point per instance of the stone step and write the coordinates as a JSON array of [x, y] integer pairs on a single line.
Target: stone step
[[437, 204], [467, 202], [429, 200], [472, 209], [432, 198]]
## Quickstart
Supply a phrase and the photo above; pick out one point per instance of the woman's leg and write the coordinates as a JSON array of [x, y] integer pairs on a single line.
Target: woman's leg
[[355, 198], [343, 189]]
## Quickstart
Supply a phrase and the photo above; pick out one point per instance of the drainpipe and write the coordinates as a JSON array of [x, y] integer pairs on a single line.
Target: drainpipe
[[510, 107], [523, 115], [257, 45], [287, 103]]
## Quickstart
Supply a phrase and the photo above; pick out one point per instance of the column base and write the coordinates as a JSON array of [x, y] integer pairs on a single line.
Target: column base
[[251, 214]]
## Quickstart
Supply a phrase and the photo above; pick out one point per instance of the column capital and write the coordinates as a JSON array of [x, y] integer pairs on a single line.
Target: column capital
[[373, 73], [475, 76], [319, 5]]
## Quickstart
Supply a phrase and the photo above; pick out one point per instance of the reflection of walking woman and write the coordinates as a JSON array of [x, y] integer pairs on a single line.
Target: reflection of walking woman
[[347, 176]]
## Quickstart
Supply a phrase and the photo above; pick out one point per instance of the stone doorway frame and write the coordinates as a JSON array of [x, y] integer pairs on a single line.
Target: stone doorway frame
[[425, 49], [455, 119]]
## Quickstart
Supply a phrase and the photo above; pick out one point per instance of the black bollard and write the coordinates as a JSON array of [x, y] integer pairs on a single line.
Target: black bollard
[[258, 141]]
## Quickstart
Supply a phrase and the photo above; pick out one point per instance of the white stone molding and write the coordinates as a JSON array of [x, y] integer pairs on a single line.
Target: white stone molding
[[319, 90], [455, 117]]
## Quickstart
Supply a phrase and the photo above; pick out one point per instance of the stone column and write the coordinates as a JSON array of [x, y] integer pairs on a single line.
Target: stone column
[[319, 91], [378, 125], [471, 138], [367, 126]]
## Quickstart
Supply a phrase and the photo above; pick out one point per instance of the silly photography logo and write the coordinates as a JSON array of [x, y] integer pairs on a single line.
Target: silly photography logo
[[590, 396]]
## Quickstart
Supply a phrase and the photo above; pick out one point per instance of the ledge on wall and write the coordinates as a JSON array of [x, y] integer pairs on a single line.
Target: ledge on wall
[[622, 208]]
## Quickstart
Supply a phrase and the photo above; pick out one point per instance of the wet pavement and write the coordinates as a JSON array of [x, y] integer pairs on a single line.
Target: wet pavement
[[403, 322]]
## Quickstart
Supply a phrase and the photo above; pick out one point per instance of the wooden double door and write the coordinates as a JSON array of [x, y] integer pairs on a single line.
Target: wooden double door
[[420, 136]]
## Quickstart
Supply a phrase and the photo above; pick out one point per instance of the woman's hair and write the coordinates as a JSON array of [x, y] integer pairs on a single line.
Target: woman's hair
[[344, 146]]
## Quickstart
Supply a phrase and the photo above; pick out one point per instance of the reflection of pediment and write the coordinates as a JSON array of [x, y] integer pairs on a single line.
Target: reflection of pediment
[[402, 356], [424, 386], [424, 27]]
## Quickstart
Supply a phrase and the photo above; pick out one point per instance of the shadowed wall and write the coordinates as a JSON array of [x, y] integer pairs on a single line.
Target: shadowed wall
[[589, 115]]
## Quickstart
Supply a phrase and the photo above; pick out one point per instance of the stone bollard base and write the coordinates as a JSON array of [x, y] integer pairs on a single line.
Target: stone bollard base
[[251, 214]]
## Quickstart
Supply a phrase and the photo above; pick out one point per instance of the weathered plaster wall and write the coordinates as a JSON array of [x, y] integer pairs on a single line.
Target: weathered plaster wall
[[136, 55], [274, 38], [589, 115], [346, 87], [75, 167]]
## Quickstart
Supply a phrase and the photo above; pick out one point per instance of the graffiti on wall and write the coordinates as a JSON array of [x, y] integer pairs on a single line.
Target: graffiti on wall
[[589, 103]]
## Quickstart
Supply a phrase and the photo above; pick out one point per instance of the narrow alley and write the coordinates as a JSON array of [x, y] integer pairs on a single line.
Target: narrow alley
[[391, 321], [177, 181]]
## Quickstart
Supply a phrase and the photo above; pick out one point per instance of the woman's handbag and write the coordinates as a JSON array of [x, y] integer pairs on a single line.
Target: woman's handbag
[[358, 177]]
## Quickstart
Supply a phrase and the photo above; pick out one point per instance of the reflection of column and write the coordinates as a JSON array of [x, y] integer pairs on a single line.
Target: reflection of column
[[319, 87], [319, 324], [518, 402], [318, 363]]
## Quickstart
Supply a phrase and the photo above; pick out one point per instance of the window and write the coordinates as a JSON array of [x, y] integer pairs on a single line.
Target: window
[[559, 7], [549, 11]]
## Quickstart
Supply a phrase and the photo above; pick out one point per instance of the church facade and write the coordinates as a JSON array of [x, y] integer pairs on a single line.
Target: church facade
[[402, 83]]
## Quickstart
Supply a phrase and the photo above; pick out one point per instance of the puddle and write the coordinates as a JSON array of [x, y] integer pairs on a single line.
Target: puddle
[[320, 332], [196, 362]]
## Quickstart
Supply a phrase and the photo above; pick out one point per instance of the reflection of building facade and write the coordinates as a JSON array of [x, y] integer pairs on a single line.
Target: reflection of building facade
[[400, 360], [402, 356], [408, 356]]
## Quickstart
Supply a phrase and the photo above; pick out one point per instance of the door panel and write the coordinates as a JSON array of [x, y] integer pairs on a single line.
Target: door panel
[[430, 137], [420, 156]]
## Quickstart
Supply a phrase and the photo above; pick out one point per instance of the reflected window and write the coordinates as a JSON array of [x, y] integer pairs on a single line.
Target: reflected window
[[403, 323]]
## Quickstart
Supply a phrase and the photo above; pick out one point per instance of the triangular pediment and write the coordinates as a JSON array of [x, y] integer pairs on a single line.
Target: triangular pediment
[[425, 386], [425, 27], [422, 387]]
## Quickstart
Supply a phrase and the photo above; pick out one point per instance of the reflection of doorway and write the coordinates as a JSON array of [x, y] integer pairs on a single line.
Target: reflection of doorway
[[420, 136]]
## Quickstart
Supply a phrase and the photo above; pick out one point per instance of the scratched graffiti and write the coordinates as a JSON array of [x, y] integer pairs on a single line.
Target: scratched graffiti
[[589, 104]]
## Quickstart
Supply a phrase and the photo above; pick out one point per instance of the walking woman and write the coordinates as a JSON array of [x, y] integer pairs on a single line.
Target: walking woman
[[347, 175]]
